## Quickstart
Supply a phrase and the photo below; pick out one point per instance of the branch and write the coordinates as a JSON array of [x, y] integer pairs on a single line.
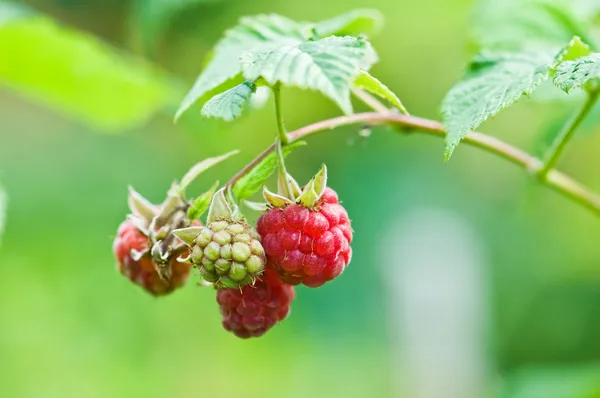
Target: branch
[[561, 141], [555, 180]]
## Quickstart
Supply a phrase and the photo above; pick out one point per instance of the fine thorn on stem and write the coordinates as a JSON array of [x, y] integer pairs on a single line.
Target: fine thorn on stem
[[560, 142], [283, 137]]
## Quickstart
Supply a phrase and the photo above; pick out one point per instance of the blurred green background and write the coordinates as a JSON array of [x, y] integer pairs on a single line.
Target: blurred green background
[[468, 279]]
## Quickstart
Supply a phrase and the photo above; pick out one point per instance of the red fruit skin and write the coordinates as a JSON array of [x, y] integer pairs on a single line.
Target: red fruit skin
[[253, 310], [308, 246], [142, 272]]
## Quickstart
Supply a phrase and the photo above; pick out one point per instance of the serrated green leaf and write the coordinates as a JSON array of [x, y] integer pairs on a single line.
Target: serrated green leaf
[[576, 73], [230, 104], [360, 21], [328, 65], [575, 49], [260, 32], [252, 33], [201, 203], [367, 82], [201, 167], [527, 24], [256, 178], [90, 81], [493, 82]]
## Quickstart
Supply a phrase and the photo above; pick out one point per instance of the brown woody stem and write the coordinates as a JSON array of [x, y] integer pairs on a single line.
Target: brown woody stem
[[555, 179]]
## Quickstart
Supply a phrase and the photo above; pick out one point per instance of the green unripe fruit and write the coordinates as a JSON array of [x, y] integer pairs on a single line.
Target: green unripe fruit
[[237, 272], [208, 264], [255, 264], [228, 254], [204, 237], [197, 254], [222, 237], [240, 251]]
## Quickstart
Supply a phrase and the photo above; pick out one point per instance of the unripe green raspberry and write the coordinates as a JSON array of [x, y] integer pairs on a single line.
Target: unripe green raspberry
[[228, 253]]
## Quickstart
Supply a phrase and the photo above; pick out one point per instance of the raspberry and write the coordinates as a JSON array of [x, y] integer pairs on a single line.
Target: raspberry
[[308, 245], [253, 310], [143, 270], [228, 253]]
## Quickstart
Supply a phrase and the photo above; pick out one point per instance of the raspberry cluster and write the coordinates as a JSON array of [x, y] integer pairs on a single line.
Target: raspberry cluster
[[303, 237]]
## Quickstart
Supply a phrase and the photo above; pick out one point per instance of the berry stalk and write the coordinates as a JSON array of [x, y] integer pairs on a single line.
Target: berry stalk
[[556, 180]]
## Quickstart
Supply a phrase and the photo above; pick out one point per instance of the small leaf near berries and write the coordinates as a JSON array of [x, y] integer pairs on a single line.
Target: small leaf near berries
[[254, 180], [367, 82], [201, 203]]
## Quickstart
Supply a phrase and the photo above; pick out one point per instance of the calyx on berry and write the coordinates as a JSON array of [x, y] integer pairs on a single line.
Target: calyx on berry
[[289, 191]]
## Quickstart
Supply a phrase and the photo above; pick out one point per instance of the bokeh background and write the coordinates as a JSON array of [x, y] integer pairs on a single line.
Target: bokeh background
[[468, 278]]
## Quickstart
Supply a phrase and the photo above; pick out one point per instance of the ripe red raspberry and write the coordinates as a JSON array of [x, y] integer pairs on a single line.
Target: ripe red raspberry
[[307, 245], [254, 309], [143, 272]]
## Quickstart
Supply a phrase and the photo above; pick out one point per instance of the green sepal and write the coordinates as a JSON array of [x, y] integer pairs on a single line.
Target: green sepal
[[140, 206], [187, 235], [219, 208], [256, 206], [314, 190], [274, 199]]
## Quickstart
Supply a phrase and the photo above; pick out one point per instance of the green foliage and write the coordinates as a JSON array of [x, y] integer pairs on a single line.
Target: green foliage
[[90, 81], [558, 382], [576, 73], [521, 41], [12, 11], [494, 81], [266, 34], [527, 24], [229, 104], [575, 49], [254, 180], [152, 17], [367, 82], [201, 203], [361, 21], [2, 210], [328, 65]]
